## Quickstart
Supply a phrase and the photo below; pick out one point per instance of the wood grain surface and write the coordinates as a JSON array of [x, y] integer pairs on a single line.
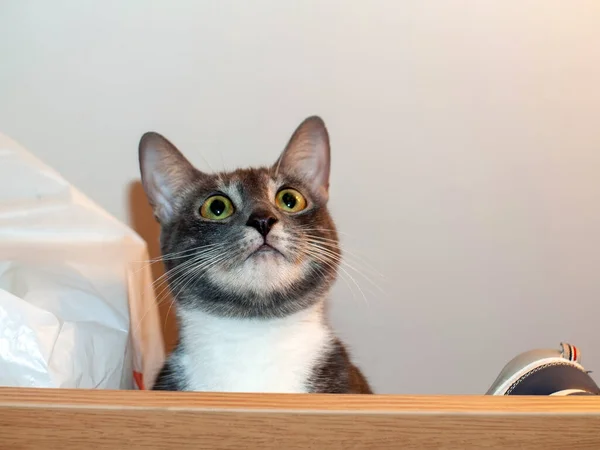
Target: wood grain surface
[[82, 419]]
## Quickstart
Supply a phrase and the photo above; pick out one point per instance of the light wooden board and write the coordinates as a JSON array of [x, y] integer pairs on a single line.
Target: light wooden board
[[81, 419]]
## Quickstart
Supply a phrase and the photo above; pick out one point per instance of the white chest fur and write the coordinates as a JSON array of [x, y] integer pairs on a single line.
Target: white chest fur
[[250, 355]]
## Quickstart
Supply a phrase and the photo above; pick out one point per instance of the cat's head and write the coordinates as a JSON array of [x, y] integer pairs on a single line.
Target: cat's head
[[249, 243]]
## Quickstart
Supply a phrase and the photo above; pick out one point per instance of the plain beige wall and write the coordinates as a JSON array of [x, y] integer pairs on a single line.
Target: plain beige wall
[[465, 139]]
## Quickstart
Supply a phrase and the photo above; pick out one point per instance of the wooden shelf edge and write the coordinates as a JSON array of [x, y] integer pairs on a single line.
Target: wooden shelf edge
[[32, 419], [384, 404]]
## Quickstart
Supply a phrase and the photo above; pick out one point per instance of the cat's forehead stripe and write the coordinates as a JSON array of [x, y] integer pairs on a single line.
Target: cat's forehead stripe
[[233, 188], [272, 187], [254, 183]]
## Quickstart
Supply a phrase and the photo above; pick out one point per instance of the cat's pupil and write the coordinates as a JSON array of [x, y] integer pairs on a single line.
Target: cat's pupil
[[217, 207], [289, 200]]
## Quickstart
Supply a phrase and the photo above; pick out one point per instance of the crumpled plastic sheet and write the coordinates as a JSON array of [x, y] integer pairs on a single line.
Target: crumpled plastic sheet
[[77, 308]]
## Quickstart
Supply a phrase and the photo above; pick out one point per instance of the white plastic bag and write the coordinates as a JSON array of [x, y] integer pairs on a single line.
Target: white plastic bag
[[76, 304]]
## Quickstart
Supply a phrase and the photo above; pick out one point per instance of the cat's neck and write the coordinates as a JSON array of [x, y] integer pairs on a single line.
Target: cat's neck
[[198, 327], [275, 355]]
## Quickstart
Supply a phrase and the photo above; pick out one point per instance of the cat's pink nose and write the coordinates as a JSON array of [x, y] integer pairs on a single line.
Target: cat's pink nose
[[262, 221]]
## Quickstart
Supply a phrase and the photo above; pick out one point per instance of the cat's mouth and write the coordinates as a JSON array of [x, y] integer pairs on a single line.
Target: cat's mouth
[[265, 249]]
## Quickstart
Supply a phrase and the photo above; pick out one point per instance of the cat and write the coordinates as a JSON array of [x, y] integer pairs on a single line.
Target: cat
[[251, 256]]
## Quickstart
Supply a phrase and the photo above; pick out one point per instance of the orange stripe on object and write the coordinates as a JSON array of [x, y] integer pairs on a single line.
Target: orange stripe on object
[[139, 380]]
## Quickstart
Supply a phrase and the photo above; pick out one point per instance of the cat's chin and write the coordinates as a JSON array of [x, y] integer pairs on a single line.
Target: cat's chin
[[264, 271]]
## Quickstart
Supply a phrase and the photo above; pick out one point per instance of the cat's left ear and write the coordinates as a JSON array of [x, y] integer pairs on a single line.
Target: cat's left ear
[[307, 156], [166, 174]]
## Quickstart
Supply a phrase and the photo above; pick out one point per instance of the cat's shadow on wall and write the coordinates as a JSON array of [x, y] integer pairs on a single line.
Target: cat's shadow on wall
[[142, 221]]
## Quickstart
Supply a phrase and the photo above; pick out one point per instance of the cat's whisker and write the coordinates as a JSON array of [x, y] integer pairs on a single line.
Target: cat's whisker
[[343, 263], [191, 276], [176, 255], [160, 298], [341, 260], [321, 272], [223, 162], [343, 245], [167, 315], [342, 275], [171, 277], [200, 255], [171, 283], [326, 260], [207, 163], [204, 265], [158, 283], [335, 245], [182, 252], [172, 256], [141, 319], [337, 258], [320, 229], [164, 278], [330, 251], [195, 270], [195, 273]]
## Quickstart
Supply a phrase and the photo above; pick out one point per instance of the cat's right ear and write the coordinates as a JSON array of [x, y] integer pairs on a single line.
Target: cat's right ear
[[165, 174], [307, 156]]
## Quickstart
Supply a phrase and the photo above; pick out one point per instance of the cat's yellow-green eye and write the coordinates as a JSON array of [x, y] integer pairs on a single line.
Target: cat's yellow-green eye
[[290, 200], [217, 207]]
